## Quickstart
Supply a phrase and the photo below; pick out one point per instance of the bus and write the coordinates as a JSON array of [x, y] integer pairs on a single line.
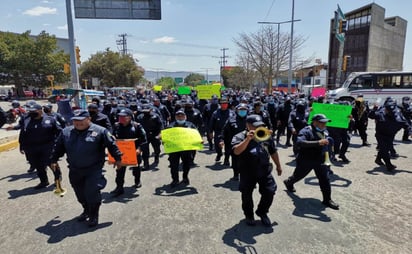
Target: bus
[[374, 86]]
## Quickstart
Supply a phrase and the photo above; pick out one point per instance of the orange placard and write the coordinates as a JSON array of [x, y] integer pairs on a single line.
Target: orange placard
[[128, 149]]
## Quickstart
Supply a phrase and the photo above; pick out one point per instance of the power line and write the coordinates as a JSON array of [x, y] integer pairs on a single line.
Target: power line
[[176, 43], [270, 8]]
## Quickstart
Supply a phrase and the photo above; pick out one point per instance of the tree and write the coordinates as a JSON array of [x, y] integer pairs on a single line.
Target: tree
[[263, 53], [27, 60], [193, 79], [238, 77], [166, 82], [112, 68]]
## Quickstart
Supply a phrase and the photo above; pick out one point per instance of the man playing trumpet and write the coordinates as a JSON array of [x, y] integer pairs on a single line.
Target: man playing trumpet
[[254, 148]]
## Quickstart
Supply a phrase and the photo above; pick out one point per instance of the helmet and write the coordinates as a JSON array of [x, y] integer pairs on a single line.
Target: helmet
[[15, 104]]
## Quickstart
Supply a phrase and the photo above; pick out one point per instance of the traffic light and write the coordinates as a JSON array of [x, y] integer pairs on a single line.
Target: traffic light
[[66, 68], [342, 25], [345, 62], [78, 61]]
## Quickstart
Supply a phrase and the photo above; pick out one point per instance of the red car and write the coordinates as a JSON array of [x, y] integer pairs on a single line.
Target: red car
[[28, 94]]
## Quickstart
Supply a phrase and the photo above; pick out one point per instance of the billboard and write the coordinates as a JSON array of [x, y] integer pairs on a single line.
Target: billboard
[[117, 9]]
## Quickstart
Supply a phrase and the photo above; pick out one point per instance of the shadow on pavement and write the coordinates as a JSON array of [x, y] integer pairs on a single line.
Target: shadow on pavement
[[335, 181], [217, 166], [28, 191], [229, 184], [308, 208], [58, 230], [128, 195], [383, 170], [178, 191], [242, 237], [13, 178], [291, 163]]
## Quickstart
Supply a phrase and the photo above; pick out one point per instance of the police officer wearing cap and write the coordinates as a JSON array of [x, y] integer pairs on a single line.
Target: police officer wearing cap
[[126, 128], [233, 126], [255, 168], [48, 110], [152, 125], [298, 119], [217, 121], [207, 112], [311, 142], [84, 144], [282, 116], [185, 156], [388, 122], [99, 118], [36, 138]]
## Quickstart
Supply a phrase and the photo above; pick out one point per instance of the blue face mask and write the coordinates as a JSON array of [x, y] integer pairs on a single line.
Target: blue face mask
[[180, 122], [242, 113], [319, 129]]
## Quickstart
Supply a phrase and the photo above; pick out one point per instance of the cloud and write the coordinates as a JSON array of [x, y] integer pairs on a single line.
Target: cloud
[[46, 2], [172, 61], [39, 11], [46, 24], [62, 27], [165, 39]]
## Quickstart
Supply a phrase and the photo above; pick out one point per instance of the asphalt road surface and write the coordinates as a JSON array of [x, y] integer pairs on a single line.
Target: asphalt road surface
[[206, 217]]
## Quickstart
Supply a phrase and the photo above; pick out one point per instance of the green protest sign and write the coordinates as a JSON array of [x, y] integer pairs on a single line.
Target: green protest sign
[[183, 90], [339, 114]]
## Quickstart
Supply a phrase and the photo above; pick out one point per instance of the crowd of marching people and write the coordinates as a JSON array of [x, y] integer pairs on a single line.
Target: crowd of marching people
[[243, 129]]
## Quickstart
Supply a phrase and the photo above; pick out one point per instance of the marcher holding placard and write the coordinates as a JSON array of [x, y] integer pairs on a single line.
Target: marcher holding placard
[[311, 142], [126, 128], [186, 156]]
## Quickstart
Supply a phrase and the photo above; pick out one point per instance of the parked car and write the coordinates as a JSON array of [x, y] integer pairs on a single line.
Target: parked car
[[28, 94]]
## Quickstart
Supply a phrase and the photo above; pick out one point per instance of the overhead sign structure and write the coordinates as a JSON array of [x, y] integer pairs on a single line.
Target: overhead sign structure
[[117, 9]]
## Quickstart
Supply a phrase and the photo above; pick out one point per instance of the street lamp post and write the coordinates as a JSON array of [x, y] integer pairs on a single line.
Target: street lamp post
[[278, 43]]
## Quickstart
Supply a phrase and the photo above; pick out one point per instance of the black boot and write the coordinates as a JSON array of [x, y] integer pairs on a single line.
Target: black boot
[[117, 192], [137, 172], [327, 201], [226, 161], [94, 215], [84, 215]]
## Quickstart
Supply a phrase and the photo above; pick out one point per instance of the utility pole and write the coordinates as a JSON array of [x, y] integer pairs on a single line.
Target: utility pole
[[122, 43], [291, 48], [223, 61]]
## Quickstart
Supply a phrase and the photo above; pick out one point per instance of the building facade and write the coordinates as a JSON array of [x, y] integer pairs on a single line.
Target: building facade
[[372, 43]]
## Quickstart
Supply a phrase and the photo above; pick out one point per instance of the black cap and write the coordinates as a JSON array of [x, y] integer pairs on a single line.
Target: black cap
[[242, 106], [321, 118], [390, 106], [48, 105], [255, 120], [80, 114], [180, 112], [34, 107], [146, 107], [92, 106], [125, 112]]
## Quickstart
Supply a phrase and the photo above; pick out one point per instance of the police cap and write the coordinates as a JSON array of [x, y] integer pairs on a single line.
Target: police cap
[[80, 114], [255, 120], [321, 118]]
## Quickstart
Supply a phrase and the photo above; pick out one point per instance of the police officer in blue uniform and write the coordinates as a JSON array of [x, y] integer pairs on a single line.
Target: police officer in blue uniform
[[310, 142], [233, 126], [255, 168], [48, 109], [126, 128], [84, 144], [99, 118], [185, 156], [36, 138], [217, 121], [152, 124], [388, 122]]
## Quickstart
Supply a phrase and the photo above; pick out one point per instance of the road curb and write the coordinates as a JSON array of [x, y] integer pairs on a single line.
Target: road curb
[[9, 145]]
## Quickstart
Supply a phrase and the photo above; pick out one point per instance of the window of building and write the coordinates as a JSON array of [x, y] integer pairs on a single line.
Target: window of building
[[407, 81]]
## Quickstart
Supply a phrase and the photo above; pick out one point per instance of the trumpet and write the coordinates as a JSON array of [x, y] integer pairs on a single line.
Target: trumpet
[[58, 190], [262, 134]]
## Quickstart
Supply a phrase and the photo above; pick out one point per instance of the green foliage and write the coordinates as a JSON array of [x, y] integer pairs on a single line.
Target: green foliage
[[27, 60], [193, 79], [112, 68], [166, 82]]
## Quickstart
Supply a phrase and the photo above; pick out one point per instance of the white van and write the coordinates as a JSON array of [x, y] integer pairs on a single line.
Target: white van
[[4, 91]]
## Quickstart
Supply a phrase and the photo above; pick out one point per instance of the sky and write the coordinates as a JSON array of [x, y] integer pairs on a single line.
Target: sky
[[191, 33]]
